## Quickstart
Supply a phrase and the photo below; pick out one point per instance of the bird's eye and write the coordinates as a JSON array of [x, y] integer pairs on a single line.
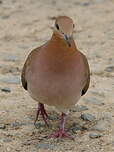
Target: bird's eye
[[73, 26], [57, 26]]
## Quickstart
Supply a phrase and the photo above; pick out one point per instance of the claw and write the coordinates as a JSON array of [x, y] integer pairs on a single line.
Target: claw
[[61, 134]]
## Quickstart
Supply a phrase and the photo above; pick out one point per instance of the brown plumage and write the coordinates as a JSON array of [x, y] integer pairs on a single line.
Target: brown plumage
[[57, 73]]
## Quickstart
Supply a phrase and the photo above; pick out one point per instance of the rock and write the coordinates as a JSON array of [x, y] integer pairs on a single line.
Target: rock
[[79, 108], [94, 101], [16, 124], [96, 69], [75, 127], [7, 90], [109, 69], [12, 58], [39, 125], [86, 3], [7, 140], [99, 1], [107, 116], [53, 117], [2, 126], [5, 16], [100, 126], [10, 79], [47, 146], [82, 3], [95, 135], [97, 93], [88, 117], [9, 69]]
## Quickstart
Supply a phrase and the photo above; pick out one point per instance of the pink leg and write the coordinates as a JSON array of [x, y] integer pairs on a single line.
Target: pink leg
[[61, 132], [41, 111]]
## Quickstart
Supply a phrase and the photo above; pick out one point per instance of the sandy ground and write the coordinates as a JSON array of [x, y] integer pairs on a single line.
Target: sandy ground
[[24, 25]]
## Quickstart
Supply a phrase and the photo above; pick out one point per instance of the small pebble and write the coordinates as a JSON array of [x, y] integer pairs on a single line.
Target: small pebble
[[76, 127], [39, 125], [94, 101], [88, 117], [7, 140], [79, 108], [86, 3], [82, 3], [15, 124], [96, 92], [95, 135], [107, 116], [109, 69], [100, 126], [10, 79], [99, 1], [5, 17], [12, 58], [2, 126], [7, 90], [52, 117], [47, 146]]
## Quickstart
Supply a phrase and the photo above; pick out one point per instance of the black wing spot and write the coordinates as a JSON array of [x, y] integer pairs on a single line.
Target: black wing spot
[[25, 86], [83, 92], [57, 26]]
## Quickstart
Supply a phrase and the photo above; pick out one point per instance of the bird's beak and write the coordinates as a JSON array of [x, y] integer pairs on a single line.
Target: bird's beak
[[68, 39]]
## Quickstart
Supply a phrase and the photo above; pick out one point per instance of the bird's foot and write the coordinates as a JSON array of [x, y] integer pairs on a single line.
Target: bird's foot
[[41, 111], [60, 134]]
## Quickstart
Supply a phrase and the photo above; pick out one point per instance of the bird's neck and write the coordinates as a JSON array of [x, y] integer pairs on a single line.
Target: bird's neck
[[59, 42]]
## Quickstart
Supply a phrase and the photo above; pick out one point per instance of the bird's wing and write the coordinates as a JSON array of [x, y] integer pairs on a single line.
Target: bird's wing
[[27, 62], [87, 75]]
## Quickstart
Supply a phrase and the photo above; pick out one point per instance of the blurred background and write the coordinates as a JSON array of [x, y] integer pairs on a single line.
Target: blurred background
[[26, 24]]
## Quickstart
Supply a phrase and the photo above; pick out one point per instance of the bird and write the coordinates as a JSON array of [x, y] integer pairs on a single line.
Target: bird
[[57, 74]]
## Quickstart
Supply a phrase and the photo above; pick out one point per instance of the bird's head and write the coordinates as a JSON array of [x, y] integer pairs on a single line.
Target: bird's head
[[64, 27]]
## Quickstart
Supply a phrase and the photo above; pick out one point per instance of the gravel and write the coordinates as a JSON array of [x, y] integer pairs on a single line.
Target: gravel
[[7, 90], [109, 69], [95, 135], [2, 126], [94, 101], [10, 79], [88, 117], [47, 147], [101, 125], [79, 108]]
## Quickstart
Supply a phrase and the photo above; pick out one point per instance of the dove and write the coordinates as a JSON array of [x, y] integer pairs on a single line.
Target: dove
[[57, 74]]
